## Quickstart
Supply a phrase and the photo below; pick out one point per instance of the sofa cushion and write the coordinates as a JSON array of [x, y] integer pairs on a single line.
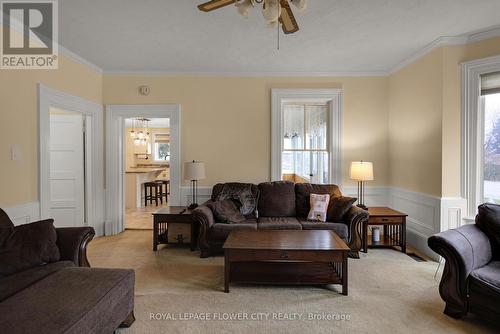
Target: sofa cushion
[[488, 220], [5, 220], [72, 300], [226, 211], [304, 190], [489, 276], [10, 285], [220, 231], [279, 223], [277, 199], [339, 228], [246, 194], [338, 208], [484, 288], [28, 245]]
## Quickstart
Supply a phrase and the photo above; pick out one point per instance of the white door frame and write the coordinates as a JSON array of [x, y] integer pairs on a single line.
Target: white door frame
[[335, 98], [94, 144], [115, 157]]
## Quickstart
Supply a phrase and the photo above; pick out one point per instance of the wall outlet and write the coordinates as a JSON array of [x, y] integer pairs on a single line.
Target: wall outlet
[[15, 152]]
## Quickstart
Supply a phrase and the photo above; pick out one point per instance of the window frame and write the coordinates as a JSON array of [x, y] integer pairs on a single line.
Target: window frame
[[472, 150], [153, 148], [334, 97]]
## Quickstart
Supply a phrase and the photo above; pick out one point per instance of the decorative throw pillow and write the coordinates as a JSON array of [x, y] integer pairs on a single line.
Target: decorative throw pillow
[[26, 246], [226, 211], [338, 207], [488, 220], [319, 207]]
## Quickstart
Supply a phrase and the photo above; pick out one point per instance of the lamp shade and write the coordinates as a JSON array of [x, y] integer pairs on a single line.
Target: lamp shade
[[194, 170], [361, 171]]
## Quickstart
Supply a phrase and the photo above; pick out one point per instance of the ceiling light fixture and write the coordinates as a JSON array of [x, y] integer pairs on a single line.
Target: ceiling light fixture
[[275, 12]]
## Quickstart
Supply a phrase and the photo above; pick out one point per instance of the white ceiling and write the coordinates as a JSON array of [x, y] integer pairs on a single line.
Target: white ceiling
[[334, 36]]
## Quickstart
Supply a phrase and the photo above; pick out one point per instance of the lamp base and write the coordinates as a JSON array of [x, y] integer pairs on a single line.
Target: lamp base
[[193, 206], [362, 206]]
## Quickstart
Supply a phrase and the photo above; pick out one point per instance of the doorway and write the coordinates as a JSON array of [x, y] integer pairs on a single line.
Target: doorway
[[71, 178], [146, 142], [116, 116]]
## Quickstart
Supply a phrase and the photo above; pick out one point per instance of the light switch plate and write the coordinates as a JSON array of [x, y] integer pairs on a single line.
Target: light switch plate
[[15, 152]]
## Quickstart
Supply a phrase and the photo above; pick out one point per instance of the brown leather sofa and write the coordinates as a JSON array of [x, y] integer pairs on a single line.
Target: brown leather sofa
[[471, 277], [281, 205], [66, 296]]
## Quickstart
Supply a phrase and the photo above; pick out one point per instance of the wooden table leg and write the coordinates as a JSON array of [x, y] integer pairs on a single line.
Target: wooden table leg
[[226, 274], [155, 235], [403, 236], [344, 274], [365, 237]]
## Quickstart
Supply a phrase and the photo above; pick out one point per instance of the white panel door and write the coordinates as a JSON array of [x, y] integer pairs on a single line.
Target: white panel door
[[67, 187]]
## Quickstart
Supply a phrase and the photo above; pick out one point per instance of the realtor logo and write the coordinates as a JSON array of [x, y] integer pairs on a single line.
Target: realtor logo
[[29, 35]]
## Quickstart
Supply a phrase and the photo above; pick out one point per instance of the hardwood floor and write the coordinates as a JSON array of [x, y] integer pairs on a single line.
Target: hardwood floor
[[141, 218]]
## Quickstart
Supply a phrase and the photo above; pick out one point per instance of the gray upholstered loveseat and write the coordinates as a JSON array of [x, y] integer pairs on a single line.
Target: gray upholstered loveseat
[[280, 205], [65, 296], [471, 277]]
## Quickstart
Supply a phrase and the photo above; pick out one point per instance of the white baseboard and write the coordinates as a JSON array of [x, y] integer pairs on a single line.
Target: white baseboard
[[24, 213]]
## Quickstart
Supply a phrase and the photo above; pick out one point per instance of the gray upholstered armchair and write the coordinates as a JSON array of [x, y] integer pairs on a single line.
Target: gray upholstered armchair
[[471, 277]]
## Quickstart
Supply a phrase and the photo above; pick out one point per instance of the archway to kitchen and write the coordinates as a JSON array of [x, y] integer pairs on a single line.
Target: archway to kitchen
[[133, 157]]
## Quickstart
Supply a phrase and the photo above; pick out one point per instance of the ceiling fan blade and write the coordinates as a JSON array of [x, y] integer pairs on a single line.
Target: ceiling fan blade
[[287, 20], [215, 4]]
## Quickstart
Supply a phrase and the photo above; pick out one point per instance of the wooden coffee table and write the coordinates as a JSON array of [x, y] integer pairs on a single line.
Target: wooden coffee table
[[285, 257]]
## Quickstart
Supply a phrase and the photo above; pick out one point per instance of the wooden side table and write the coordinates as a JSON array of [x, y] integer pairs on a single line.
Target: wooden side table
[[172, 215], [394, 224]]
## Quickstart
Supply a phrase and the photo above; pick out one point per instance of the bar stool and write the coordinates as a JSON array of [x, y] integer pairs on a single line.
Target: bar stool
[[157, 191], [165, 193]]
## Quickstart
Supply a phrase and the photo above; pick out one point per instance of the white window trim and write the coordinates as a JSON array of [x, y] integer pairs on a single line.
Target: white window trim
[[335, 97], [472, 129]]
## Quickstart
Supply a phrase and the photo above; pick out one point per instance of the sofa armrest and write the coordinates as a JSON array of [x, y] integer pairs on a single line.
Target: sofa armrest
[[204, 216], [464, 249], [72, 243], [354, 218]]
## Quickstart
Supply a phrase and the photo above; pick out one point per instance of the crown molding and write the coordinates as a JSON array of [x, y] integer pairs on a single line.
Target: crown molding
[[469, 38], [481, 35], [73, 56], [247, 74]]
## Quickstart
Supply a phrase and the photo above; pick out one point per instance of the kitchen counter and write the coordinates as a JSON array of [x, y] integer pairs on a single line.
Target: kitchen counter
[[135, 179], [141, 170]]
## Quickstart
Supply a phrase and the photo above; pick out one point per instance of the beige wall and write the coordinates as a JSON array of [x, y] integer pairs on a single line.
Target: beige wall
[[425, 119], [415, 125], [226, 120], [19, 122]]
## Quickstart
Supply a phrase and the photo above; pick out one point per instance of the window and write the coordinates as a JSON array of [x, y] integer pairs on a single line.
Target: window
[[161, 146], [490, 106], [480, 161], [305, 138]]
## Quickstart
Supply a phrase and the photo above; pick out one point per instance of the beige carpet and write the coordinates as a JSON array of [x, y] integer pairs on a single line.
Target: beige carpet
[[389, 292]]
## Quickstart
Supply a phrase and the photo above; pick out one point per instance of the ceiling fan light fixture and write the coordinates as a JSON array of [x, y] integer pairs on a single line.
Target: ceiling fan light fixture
[[271, 12], [244, 7], [300, 4]]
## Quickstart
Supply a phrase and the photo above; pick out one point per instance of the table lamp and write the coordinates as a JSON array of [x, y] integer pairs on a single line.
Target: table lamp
[[194, 171], [361, 171]]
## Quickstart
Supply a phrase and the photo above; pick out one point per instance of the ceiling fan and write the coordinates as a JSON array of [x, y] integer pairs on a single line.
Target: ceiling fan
[[274, 11]]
